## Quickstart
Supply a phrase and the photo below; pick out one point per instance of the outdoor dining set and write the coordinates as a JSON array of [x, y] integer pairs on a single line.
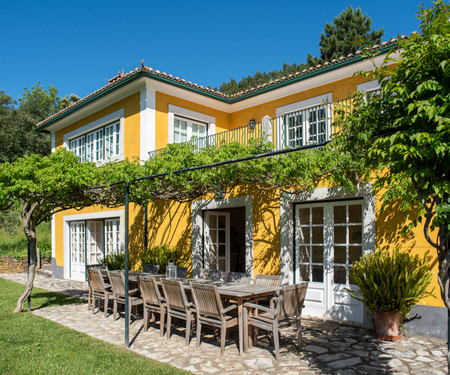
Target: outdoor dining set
[[214, 298]]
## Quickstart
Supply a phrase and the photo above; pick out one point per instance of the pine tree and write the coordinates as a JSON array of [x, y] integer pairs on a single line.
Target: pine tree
[[349, 32]]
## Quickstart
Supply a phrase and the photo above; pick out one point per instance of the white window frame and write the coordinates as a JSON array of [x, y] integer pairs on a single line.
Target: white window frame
[[189, 115], [313, 104], [92, 130]]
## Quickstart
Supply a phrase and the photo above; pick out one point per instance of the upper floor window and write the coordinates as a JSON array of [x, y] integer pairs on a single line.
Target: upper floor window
[[185, 129], [304, 123], [102, 144], [308, 126]]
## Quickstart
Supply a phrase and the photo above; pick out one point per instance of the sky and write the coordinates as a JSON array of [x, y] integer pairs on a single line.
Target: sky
[[77, 45]]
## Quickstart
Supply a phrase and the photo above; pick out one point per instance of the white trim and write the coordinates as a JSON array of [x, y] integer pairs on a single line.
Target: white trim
[[287, 201], [148, 122], [88, 216], [304, 104], [53, 142], [197, 225], [193, 115], [368, 86]]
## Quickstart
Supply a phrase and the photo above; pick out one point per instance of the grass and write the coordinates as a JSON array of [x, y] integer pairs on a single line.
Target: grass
[[14, 243], [30, 344]]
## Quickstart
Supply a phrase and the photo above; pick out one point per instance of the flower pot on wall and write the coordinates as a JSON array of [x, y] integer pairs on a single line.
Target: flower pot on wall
[[387, 325]]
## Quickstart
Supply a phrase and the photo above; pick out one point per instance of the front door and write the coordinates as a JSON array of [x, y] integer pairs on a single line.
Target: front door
[[217, 240], [328, 240]]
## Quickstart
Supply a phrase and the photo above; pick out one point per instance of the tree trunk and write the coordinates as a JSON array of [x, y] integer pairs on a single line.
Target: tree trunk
[[30, 231]]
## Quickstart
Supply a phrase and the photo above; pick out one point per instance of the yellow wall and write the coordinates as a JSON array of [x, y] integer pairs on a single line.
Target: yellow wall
[[171, 222]]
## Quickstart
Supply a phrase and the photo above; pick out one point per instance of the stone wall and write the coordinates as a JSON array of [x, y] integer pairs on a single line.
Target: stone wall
[[9, 264]]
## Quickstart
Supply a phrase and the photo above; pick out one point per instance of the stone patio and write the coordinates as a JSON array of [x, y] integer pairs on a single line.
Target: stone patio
[[329, 347]]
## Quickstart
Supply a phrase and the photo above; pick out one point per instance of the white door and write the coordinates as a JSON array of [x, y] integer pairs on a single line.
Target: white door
[[217, 240], [77, 250], [328, 240], [94, 241]]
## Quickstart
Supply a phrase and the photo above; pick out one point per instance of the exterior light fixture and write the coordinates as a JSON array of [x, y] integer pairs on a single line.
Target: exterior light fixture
[[251, 124], [219, 194]]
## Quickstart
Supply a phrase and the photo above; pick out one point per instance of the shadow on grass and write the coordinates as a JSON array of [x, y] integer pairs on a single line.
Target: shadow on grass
[[41, 298]]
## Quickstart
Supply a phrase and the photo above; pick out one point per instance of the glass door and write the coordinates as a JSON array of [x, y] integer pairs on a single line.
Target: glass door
[[217, 240], [77, 250]]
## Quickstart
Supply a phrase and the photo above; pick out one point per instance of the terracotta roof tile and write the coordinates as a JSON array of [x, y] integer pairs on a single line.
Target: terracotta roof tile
[[121, 76]]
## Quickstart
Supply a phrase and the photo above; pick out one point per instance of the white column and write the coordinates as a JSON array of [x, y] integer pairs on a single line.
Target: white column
[[148, 122]]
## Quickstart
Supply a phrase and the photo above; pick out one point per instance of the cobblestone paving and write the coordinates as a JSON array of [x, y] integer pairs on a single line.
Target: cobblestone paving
[[329, 348]]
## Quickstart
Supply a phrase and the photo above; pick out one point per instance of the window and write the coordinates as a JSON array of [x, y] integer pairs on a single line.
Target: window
[[100, 145], [185, 130], [308, 126], [304, 123], [335, 229], [112, 236]]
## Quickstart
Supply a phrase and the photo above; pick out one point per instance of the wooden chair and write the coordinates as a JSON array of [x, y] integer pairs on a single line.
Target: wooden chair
[[177, 305], [286, 309], [268, 280], [92, 267], [98, 290], [117, 280], [210, 311], [153, 302]]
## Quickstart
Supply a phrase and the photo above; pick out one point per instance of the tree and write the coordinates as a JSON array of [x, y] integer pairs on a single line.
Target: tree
[[404, 133], [39, 186], [17, 125], [350, 31]]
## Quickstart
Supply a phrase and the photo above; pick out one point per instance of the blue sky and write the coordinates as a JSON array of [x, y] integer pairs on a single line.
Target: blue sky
[[77, 45]]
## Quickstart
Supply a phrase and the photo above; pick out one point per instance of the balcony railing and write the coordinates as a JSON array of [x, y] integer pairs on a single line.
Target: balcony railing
[[307, 126]]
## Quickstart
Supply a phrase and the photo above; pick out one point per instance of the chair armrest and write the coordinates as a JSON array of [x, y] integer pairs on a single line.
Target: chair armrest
[[229, 308], [259, 307], [190, 304], [133, 291], [274, 300]]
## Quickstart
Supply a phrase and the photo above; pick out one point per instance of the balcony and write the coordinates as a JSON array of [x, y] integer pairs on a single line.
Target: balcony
[[307, 126]]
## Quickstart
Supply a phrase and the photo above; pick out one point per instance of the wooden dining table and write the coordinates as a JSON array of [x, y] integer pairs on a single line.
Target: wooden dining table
[[232, 291]]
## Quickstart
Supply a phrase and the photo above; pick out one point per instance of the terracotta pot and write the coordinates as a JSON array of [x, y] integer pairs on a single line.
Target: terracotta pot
[[387, 325]]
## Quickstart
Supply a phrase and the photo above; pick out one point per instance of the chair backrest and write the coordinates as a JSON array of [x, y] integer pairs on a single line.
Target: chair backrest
[[117, 282], [182, 271], [207, 300], [149, 290], [174, 294], [98, 266], [268, 280], [241, 277], [95, 280], [151, 268], [291, 300]]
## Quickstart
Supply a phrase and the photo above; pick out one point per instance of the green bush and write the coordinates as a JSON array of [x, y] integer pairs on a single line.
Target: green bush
[[391, 281], [160, 255], [115, 261]]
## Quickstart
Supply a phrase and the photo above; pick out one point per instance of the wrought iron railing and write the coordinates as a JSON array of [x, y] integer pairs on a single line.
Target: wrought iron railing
[[307, 126]]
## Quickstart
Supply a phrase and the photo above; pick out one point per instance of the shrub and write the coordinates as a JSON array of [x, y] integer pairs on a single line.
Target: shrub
[[115, 261], [391, 281], [160, 255]]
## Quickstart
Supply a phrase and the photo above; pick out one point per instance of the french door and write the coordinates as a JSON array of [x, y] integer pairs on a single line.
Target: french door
[[328, 239], [217, 240], [90, 241]]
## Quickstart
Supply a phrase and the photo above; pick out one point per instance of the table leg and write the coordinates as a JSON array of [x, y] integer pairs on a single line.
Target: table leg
[[241, 325]]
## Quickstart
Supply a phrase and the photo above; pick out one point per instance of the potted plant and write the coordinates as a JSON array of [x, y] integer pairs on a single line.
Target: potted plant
[[390, 284], [160, 255]]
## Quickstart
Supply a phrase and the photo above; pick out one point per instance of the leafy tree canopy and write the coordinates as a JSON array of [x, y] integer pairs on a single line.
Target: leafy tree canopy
[[404, 133], [17, 123]]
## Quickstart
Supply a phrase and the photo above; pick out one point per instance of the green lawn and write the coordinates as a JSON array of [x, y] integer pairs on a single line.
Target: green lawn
[[30, 344]]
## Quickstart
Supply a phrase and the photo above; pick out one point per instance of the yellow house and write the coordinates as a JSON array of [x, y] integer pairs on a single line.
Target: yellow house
[[313, 236]]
